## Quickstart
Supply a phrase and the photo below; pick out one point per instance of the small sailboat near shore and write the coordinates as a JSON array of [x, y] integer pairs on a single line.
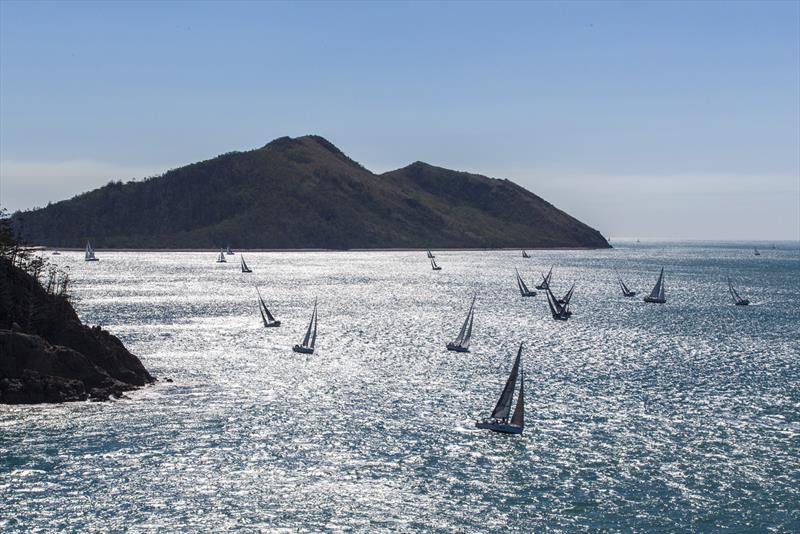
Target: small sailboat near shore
[[658, 294], [228, 251], [245, 268], [88, 254], [434, 266], [523, 288], [307, 346], [737, 300], [545, 284], [221, 257], [461, 343], [625, 291], [498, 421], [525, 254], [266, 316], [756, 252]]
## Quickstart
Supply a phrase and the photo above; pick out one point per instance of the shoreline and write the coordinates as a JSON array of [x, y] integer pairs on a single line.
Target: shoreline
[[216, 250]]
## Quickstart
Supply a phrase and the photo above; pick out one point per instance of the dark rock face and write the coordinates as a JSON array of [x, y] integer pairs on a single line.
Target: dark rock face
[[48, 355], [306, 193]]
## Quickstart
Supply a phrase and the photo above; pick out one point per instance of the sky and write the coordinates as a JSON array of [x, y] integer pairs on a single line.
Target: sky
[[671, 120]]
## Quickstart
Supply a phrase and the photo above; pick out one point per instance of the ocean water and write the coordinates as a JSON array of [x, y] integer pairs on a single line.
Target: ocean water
[[644, 417]]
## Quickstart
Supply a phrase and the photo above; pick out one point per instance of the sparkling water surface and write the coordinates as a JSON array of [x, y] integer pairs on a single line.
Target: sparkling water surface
[[682, 416]]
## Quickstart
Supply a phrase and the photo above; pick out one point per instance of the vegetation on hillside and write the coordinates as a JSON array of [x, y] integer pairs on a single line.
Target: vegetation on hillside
[[305, 193]]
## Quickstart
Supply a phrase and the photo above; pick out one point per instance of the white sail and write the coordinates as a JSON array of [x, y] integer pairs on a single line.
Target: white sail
[[518, 418], [658, 289], [314, 334], [466, 329], [88, 254]]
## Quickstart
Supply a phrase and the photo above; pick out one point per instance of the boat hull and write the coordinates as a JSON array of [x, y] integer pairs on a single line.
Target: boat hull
[[437, 268], [456, 348], [504, 428], [655, 300], [528, 294], [272, 324], [631, 294], [247, 271], [542, 287], [743, 302], [91, 259], [303, 350]]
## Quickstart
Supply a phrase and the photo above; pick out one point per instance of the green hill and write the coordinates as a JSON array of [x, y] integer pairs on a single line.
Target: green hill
[[305, 193]]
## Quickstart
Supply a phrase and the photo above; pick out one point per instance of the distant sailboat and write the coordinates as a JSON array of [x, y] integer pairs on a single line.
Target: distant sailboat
[[88, 254], [266, 316], [546, 280], [430, 255], [739, 301], [434, 266], [525, 254], [245, 268], [228, 251], [523, 288], [461, 343], [625, 291], [756, 252], [559, 311], [221, 257], [658, 294], [498, 421], [307, 346], [56, 253]]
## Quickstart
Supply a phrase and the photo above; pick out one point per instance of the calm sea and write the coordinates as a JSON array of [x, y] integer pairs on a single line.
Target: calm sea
[[682, 416]]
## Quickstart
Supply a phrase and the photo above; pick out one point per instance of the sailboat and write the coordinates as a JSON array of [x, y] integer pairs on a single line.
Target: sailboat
[[756, 252], [245, 268], [221, 257], [523, 288], [525, 254], [567, 297], [56, 253], [498, 421], [739, 301], [559, 311], [461, 343], [228, 251], [658, 294], [307, 346], [266, 316], [88, 254], [430, 255], [625, 291], [434, 266], [546, 280]]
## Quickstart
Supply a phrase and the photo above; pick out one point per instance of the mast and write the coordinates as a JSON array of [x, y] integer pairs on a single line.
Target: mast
[[314, 320], [519, 411], [503, 407]]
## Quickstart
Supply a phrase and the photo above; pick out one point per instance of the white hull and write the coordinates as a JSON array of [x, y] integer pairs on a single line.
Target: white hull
[[494, 426]]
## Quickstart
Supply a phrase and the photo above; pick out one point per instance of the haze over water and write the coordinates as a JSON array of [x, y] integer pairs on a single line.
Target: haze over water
[[677, 416]]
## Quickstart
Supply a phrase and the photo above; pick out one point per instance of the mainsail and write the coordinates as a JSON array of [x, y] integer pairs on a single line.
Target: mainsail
[[658, 292], [466, 329], [523, 289], [545, 280], [311, 324], [503, 407], [245, 268], [266, 316]]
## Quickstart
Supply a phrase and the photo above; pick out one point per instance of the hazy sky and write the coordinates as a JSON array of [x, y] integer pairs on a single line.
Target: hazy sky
[[641, 119]]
